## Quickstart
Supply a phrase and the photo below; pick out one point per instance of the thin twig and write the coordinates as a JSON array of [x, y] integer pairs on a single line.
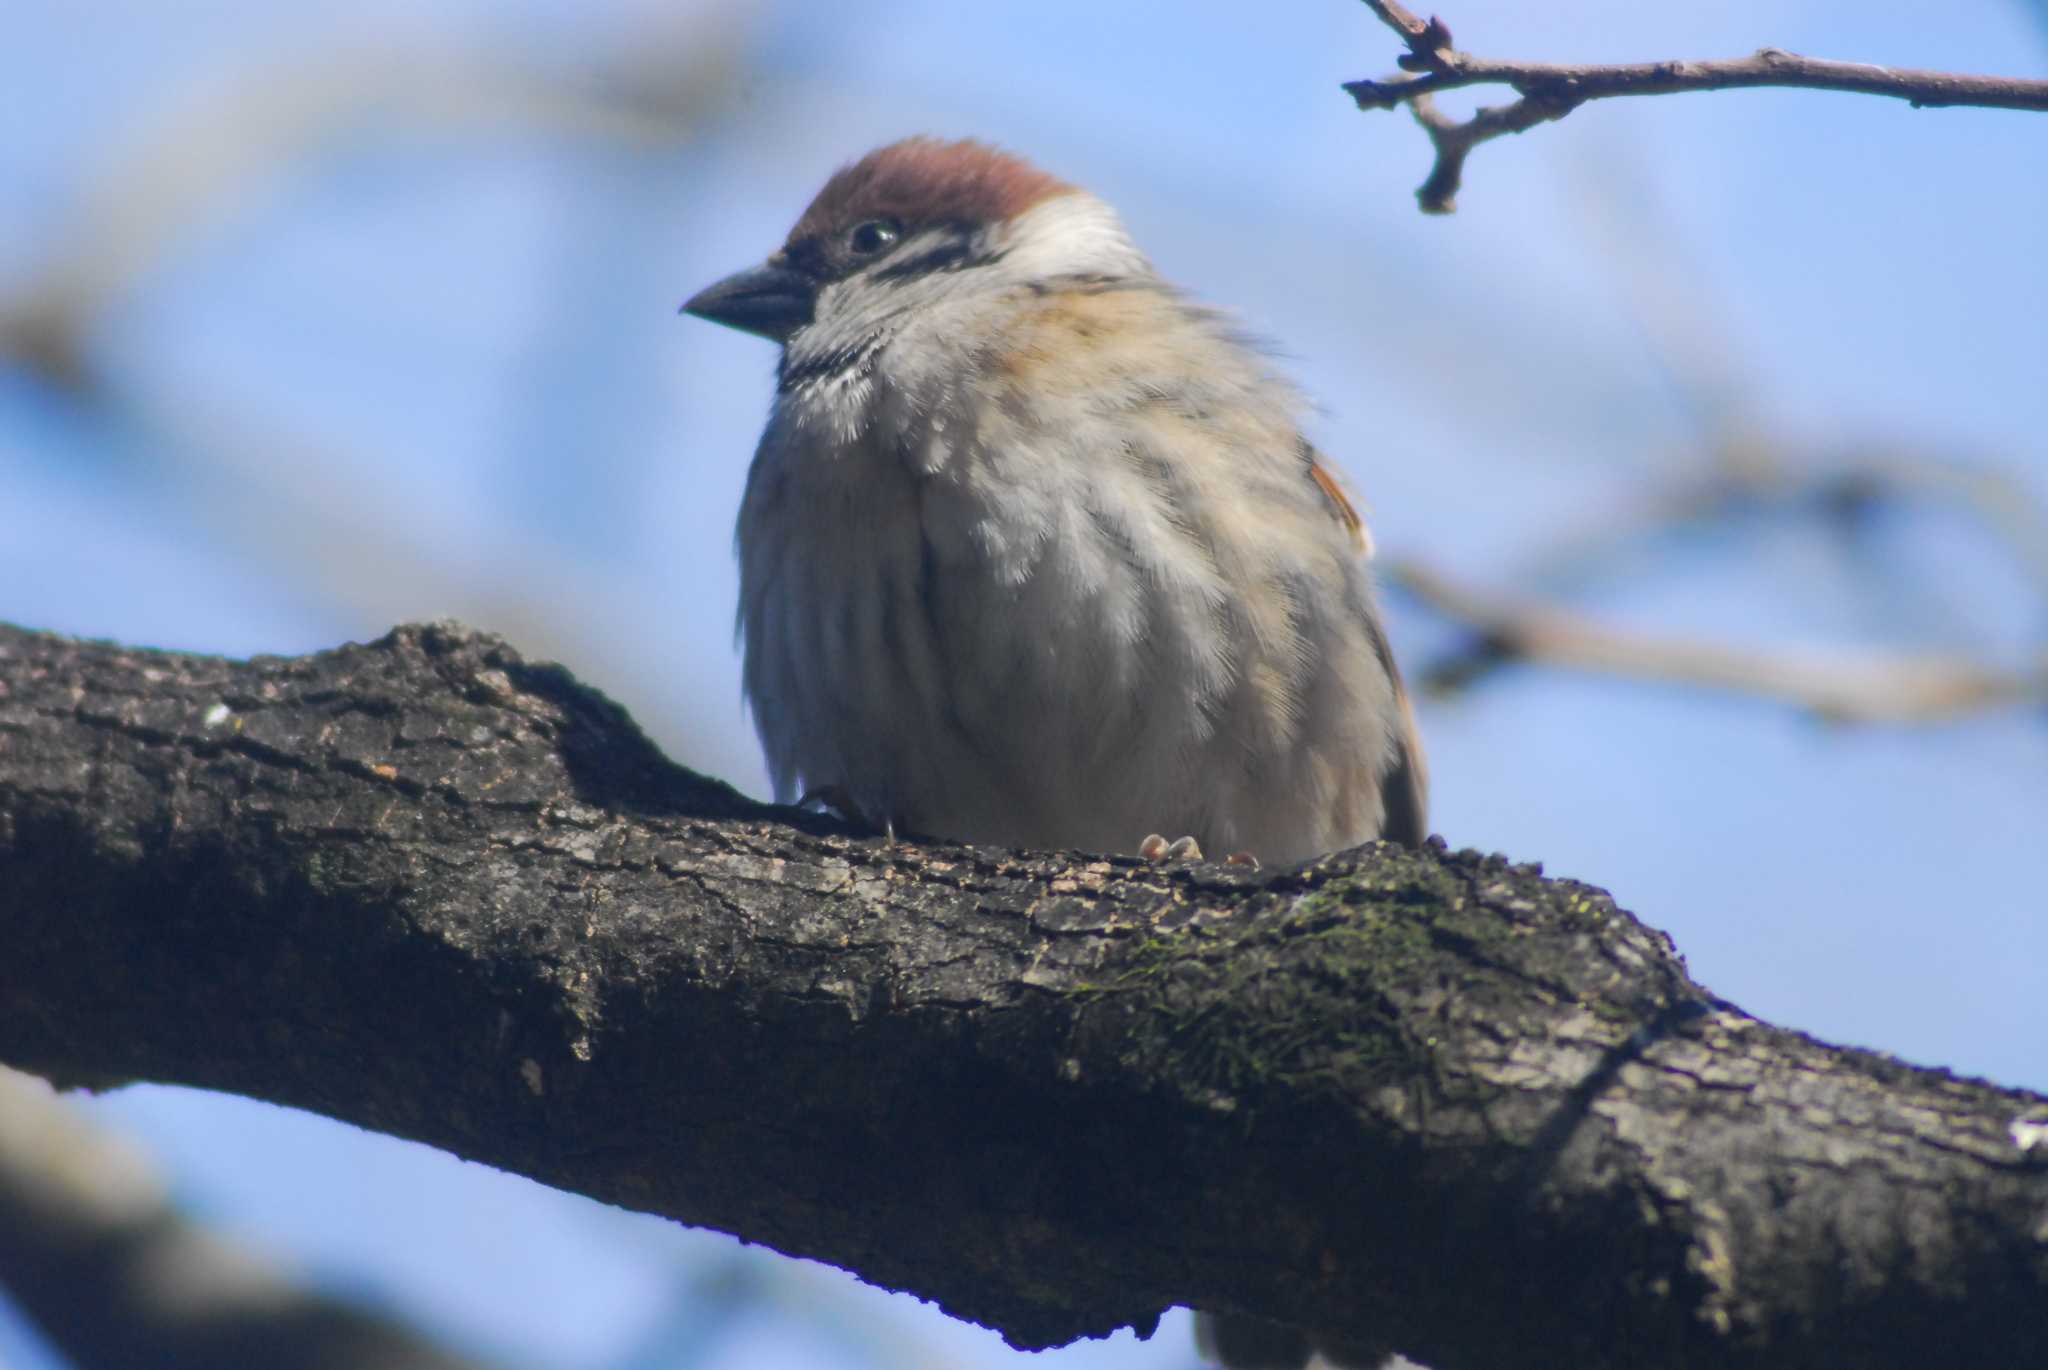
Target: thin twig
[[1551, 90], [1454, 140], [1402, 22], [1764, 67]]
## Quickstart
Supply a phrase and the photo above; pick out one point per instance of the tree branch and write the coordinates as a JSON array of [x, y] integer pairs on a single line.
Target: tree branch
[[1424, 1097], [1551, 90]]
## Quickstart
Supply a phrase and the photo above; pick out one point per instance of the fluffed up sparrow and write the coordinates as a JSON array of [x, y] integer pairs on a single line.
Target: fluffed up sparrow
[[1034, 553]]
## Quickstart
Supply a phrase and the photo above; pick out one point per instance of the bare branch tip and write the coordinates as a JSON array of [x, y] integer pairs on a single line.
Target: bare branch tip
[[1369, 94]]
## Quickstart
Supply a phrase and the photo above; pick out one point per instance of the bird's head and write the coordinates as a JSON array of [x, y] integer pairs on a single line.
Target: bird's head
[[912, 224]]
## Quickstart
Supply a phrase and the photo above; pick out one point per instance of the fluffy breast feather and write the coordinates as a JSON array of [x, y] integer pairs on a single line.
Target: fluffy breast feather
[[1074, 583]]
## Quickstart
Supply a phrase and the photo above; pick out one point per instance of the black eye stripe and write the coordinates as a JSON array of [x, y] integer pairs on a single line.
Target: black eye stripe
[[926, 251], [950, 256]]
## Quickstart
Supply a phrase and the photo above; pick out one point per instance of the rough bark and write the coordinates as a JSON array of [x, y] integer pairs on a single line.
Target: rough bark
[[429, 888]]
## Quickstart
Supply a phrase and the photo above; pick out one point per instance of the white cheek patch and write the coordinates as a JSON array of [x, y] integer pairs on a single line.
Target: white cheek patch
[[1068, 235]]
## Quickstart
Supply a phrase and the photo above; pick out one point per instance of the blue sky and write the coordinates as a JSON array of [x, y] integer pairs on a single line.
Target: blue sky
[[421, 359]]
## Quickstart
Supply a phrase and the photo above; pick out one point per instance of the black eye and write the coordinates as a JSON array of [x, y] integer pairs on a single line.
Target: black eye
[[876, 235]]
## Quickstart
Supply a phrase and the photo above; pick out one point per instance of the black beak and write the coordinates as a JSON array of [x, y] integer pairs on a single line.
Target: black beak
[[770, 300]]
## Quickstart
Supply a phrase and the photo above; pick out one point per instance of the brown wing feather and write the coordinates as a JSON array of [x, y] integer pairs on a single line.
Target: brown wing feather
[[1340, 503], [1404, 789]]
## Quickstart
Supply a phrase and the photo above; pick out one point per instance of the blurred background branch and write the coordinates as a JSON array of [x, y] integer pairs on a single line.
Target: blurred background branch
[[293, 498], [1741, 477], [1747, 483], [1834, 689], [198, 165], [93, 1250]]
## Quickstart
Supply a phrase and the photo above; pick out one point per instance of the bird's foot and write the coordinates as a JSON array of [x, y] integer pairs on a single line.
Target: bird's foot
[[1159, 851], [838, 801]]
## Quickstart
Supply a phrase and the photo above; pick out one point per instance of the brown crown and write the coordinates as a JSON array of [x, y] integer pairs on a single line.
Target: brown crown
[[927, 180]]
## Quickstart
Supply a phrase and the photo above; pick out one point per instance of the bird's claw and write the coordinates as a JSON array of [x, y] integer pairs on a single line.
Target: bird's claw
[[1159, 851], [838, 801]]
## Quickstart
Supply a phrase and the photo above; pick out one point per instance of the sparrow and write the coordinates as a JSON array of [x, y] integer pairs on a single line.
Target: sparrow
[[1034, 553]]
